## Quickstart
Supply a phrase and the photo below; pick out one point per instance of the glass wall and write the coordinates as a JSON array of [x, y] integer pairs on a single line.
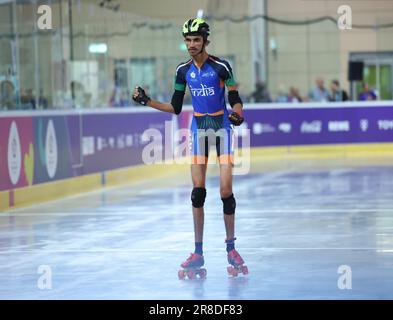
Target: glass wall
[[30, 58], [298, 55], [93, 56], [8, 75]]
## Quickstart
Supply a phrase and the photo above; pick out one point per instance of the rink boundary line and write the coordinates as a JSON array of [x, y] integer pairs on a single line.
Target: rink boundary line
[[243, 211], [316, 210], [218, 249], [323, 151]]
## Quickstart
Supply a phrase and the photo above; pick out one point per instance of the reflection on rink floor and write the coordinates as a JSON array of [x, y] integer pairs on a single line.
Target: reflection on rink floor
[[297, 223]]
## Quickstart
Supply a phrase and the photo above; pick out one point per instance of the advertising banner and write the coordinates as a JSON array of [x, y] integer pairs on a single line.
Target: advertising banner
[[16, 152], [116, 140], [286, 127], [42, 148], [56, 147]]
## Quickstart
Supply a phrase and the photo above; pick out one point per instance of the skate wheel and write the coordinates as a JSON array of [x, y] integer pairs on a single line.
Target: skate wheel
[[202, 273], [229, 269], [191, 274], [232, 271], [181, 274], [245, 270]]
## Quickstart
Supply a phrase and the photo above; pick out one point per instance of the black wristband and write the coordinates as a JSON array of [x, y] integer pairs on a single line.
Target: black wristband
[[233, 98]]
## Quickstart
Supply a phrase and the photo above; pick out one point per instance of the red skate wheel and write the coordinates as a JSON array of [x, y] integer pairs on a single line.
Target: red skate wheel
[[181, 274], [232, 271], [229, 269], [245, 270], [190, 274], [202, 273]]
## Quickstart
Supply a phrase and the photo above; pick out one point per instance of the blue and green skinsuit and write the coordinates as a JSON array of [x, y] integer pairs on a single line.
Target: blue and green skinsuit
[[207, 88]]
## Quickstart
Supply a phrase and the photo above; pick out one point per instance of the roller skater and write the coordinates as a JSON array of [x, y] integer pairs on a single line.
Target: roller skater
[[206, 77]]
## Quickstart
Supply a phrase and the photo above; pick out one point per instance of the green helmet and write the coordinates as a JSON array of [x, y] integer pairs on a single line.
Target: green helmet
[[196, 26]]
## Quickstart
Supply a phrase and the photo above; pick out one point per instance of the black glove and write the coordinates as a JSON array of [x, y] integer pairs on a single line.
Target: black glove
[[235, 119], [142, 97]]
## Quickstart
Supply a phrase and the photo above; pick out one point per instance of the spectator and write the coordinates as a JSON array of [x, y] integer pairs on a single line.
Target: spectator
[[7, 95], [319, 93], [81, 97], [120, 97], [42, 101], [337, 94], [294, 95], [367, 94], [27, 99], [114, 98], [282, 97], [125, 98], [260, 94]]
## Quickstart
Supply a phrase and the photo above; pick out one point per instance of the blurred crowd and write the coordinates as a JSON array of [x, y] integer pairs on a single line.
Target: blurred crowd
[[10, 99], [261, 94], [319, 93]]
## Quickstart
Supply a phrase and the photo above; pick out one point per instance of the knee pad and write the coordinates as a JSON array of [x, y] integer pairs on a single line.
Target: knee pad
[[229, 204], [198, 196]]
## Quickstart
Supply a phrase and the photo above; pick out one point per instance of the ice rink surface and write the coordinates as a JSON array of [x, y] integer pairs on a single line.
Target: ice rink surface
[[296, 225]]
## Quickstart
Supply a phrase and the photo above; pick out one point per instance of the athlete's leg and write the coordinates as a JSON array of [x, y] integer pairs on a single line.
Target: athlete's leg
[[225, 153], [198, 173], [228, 199], [198, 195], [229, 204], [224, 147]]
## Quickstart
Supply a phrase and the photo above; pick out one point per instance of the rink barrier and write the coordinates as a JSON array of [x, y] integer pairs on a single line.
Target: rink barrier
[[45, 155], [44, 192], [36, 194]]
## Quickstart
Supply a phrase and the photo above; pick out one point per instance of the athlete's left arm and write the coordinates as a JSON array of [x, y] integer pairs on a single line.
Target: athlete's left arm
[[236, 117], [234, 100]]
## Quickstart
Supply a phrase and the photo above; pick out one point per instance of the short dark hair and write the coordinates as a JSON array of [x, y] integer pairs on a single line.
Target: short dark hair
[[336, 82]]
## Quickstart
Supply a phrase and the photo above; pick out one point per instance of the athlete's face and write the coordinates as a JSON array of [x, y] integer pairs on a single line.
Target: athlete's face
[[194, 44]]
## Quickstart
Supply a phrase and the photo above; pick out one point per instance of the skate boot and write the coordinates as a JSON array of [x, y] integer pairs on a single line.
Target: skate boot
[[192, 267], [236, 264]]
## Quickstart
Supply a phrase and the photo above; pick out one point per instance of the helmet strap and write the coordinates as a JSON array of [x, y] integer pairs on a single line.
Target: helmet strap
[[203, 47]]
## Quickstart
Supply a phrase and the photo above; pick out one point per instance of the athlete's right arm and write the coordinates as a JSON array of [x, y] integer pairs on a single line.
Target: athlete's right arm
[[166, 107], [176, 103], [175, 106]]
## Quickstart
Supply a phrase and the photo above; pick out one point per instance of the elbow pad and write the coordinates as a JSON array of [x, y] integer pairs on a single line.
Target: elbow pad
[[177, 101], [233, 98]]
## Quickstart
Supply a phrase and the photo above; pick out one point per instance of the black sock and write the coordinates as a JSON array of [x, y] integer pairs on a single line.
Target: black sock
[[230, 244], [198, 248]]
